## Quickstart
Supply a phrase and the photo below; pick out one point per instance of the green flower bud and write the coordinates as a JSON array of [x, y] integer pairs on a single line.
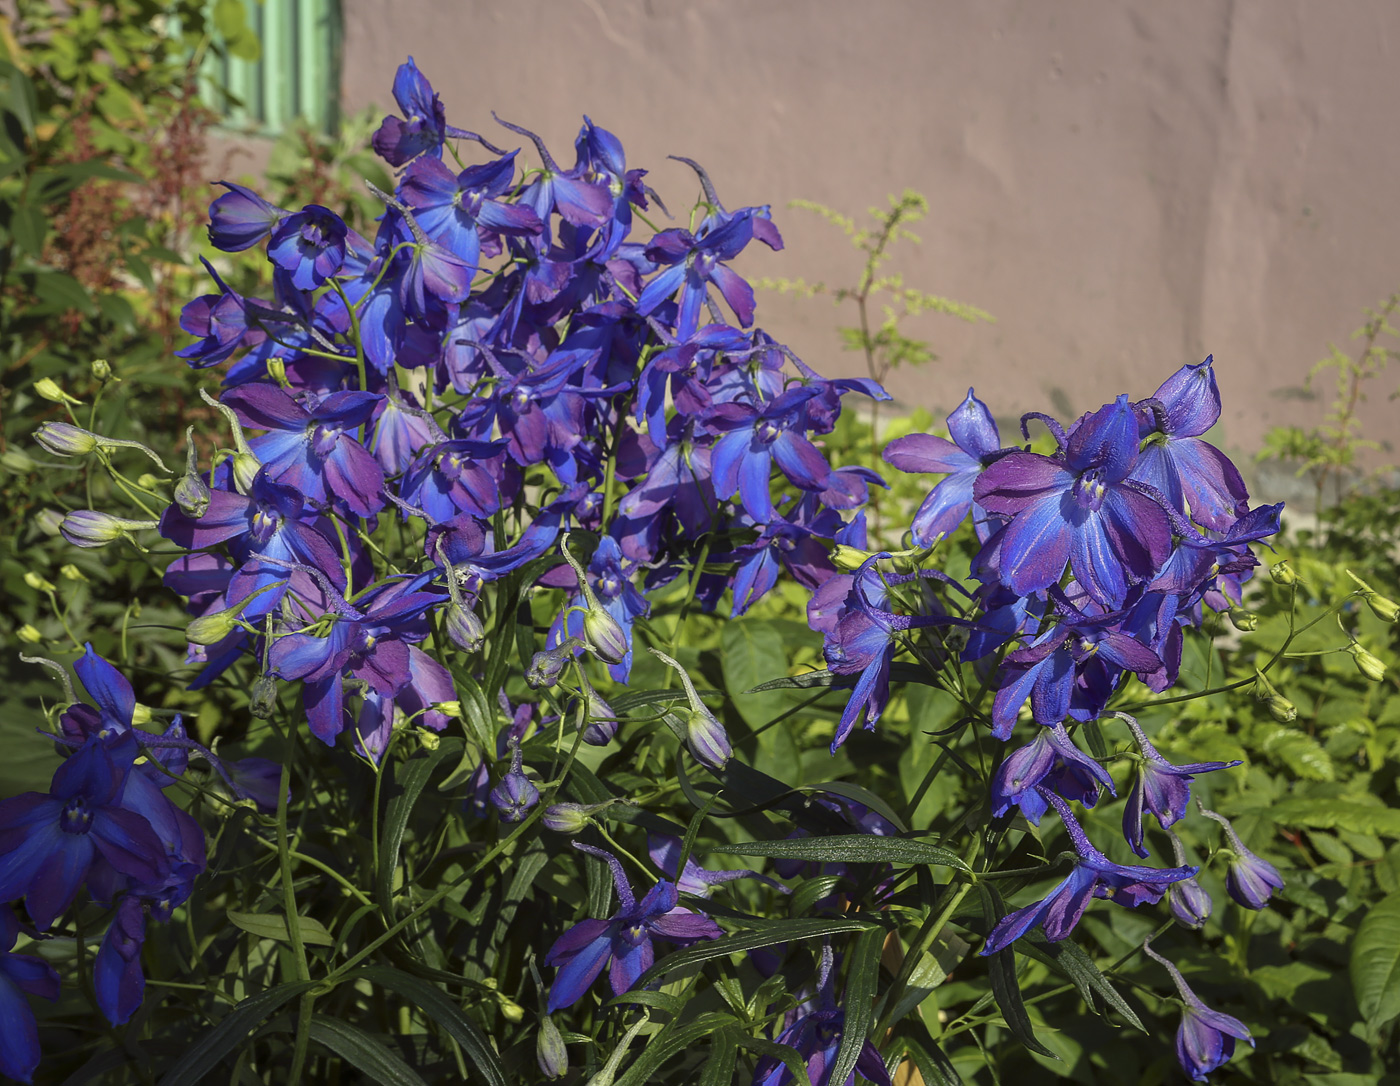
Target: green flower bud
[[47, 388], [70, 572], [1385, 609], [38, 582], [1282, 573], [707, 739], [102, 370], [17, 462], [64, 439], [550, 1052], [262, 703], [1242, 620], [1280, 708], [29, 634], [50, 521], [605, 636], [212, 628], [1368, 664], [90, 528]]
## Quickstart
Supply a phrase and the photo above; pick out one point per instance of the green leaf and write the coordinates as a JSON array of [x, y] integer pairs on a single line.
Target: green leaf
[[783, 931], [752, 653], [1069, 958], [934, 1066], [365, 1055], [1375, 963], [900, 672], [862, 978], [672, 1039], [1006, 989], [856, 848], [210, 1049], [720, 1067], [274, 926], [29, 228], [58, 292], [410, 778], [433, 1002], [1338, 814]]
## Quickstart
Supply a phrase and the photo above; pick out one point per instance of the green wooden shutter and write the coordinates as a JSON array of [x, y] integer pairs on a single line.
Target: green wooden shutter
[[297, 75]]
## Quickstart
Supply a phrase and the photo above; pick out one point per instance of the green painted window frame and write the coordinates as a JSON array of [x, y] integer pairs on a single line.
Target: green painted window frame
[[297, 76]]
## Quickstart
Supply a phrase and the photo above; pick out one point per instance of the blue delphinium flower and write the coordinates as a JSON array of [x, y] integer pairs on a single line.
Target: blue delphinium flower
[[623, 943], [1250, 880], [117, 977], [815, 1030], [309, 245], [20, 975], [1094, 875], [1078, 509], [976, 443], [1051, 762], [1205, 1040], [1162, 788]]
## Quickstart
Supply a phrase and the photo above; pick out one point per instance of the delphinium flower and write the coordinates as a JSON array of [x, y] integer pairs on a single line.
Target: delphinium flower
[[1206, 1038], [1094, 875], [815, 1031], [976, 443], [1050, 762], [1250, 880], [21, 975], [622, 944]]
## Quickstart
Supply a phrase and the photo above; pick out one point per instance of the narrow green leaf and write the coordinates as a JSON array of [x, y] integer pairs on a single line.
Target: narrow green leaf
[[206, 1053], [365, 1055], [932, 1062], [443, 1010], [720, 1067], [900, 672], [1069, 958], [857, 848], [1006, 990], [673, 1038], [782, 931], [1375, 962], [29, 228], [862, 979], [274, 926], [410, 777]]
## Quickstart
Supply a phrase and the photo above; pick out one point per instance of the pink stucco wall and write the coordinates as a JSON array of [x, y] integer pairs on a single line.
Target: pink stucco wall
[[1125, 186]]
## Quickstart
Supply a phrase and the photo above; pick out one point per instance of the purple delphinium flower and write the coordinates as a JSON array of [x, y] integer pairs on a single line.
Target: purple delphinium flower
[[240, 218], [48, 842], [757, 437], [665, 853], [1251, 881], [976, 443], [695, 263], [1190, 904], [20, 975], [1161, 788], [423, 128], [313, 448], [1205, 1040], [623, 943], [815, 1030], [117, 978], [1193, 475], [1094, 875], [516, 795], [1078, 509], [609, 575], [1050, 760], [451, 208], [309, 245]]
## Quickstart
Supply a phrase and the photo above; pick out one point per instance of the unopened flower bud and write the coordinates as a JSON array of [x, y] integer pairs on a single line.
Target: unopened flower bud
[[140, 713], [1369, 665], [70, 572], [605, 636], [17, 462], [192, 495], [277, 370], [48, 388], [602, 721], [428, 739], [449, 708], [147, 481], [465, 628], [90, 528], [1244, 621], [1249, 880], [212, 628], [1189, 902], [516, 795], [102, 370], [38, 582], [546, 667], [49, 521], [707, 739], [65, 439], [1280, 708], [1384, 608], [849, 557], [29, 634], [245, 469], [568, 818], [1282, 573], [511, 1011], [262, 702], [550, 1052]]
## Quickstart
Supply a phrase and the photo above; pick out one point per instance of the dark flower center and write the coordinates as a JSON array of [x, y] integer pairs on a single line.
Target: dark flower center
[[1089, 489], [76, 817]]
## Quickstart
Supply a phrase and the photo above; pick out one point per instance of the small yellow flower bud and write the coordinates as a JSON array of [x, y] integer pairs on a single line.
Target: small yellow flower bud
[[1385, 609], [38, 583], [29, 634], [48, 388], [849, 557], [1244, 621], [212, 628], [70, 572], [141, 714], [102, 370], [1282, 573], [1367, 663]]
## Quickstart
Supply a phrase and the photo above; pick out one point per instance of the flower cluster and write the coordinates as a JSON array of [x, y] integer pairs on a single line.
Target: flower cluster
[[1091, 562]]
